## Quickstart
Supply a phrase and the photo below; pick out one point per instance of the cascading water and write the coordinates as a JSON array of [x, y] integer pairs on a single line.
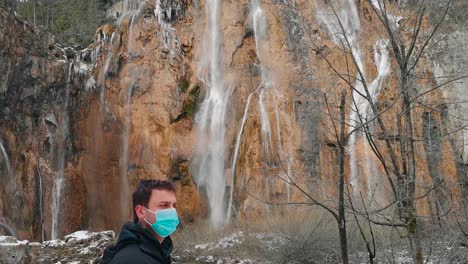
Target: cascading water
[[267, 93], [382, 62], [4, 224], [125, 191], [261, 46], [130, 12], [209, 160], [41, 206], [5, 158], [236, 153], [347, 34], [394, 20], [59, 160], [167, 32], [56, 196]]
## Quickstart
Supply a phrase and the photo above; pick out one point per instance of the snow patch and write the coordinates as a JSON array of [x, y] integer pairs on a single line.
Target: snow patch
[[225, 242], [55, 243]]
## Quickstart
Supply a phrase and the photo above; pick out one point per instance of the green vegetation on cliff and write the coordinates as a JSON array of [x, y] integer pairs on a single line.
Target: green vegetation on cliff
[[73, 22]]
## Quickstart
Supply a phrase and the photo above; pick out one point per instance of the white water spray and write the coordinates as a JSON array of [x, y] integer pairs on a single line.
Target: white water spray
[[236, 153], [261, 45], [209, 160], [382, 63], [346, 12], [342, 23], [167, 32], [59, 159], [41, 206]]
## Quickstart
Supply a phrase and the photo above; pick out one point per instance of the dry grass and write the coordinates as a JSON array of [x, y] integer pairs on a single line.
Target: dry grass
[[309, 236]]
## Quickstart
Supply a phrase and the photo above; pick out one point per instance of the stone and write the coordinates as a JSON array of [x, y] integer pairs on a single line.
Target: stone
[[13, 251]]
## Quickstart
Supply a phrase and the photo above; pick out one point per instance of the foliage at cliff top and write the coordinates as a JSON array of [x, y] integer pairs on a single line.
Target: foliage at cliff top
[[73, 22]]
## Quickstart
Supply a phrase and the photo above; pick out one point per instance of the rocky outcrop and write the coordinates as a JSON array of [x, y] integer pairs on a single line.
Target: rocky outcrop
[[14, 251], [36, 102], [78, 247]]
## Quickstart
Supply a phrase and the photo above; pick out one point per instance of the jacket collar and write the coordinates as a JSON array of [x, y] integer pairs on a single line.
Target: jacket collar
[[146, 240]]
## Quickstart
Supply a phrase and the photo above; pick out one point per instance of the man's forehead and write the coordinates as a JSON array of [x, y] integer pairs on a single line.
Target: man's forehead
[[162, 196]]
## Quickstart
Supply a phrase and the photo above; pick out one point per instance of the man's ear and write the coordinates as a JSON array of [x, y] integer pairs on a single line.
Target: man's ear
[[140, 211]]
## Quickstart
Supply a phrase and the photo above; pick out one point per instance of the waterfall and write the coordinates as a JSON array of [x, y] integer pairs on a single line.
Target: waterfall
[[267, 141], [269, 94], [105, 73], [130, 49], [382, 63], [261, 45], [5, 158], [56, 196], [59, 158], [4, 224], [130, 11], [236, 152], [125, 192], [346, 34], [59, 179], [209, 159], [41, 210], [394, 20], [167, 32], [347, 13], [266, 92]]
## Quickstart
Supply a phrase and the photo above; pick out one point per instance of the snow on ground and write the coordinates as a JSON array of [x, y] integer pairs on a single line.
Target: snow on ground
[[271, 241], [225, 242], [56, 243], [11, 241]]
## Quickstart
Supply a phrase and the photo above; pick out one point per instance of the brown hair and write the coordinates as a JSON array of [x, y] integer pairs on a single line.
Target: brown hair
[[142, 194]]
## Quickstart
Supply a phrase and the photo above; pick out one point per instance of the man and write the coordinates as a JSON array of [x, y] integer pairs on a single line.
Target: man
[[147, 240]]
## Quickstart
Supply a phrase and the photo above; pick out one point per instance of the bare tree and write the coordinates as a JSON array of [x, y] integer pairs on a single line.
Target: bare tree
[[395, 150]]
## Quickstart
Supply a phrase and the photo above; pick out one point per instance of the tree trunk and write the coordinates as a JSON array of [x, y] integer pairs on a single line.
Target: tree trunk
[[341, 207], [414, 229]]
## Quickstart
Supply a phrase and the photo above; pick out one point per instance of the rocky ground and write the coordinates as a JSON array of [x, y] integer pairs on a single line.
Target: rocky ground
[[87, 247], [238, 247], [79, 247]]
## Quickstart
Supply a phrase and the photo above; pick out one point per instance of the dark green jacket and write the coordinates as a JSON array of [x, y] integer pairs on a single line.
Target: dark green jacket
[[137, 245]]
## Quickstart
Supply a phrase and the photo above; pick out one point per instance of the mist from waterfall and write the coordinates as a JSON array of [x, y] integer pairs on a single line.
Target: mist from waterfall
[[209, 159]]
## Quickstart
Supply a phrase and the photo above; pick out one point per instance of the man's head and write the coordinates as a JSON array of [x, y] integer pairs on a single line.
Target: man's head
[[152, 195]]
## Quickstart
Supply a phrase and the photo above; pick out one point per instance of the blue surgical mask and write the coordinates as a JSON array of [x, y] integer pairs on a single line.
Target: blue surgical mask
[[166, 221]]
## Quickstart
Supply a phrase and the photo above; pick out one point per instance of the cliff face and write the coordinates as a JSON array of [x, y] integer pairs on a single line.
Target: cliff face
[[80, 128], [36, 102]]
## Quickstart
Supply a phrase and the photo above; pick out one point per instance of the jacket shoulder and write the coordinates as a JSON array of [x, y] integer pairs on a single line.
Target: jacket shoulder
[[132, 254]]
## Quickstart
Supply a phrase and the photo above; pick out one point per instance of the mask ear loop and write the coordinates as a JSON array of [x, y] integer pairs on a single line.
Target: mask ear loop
[[152, 213]]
